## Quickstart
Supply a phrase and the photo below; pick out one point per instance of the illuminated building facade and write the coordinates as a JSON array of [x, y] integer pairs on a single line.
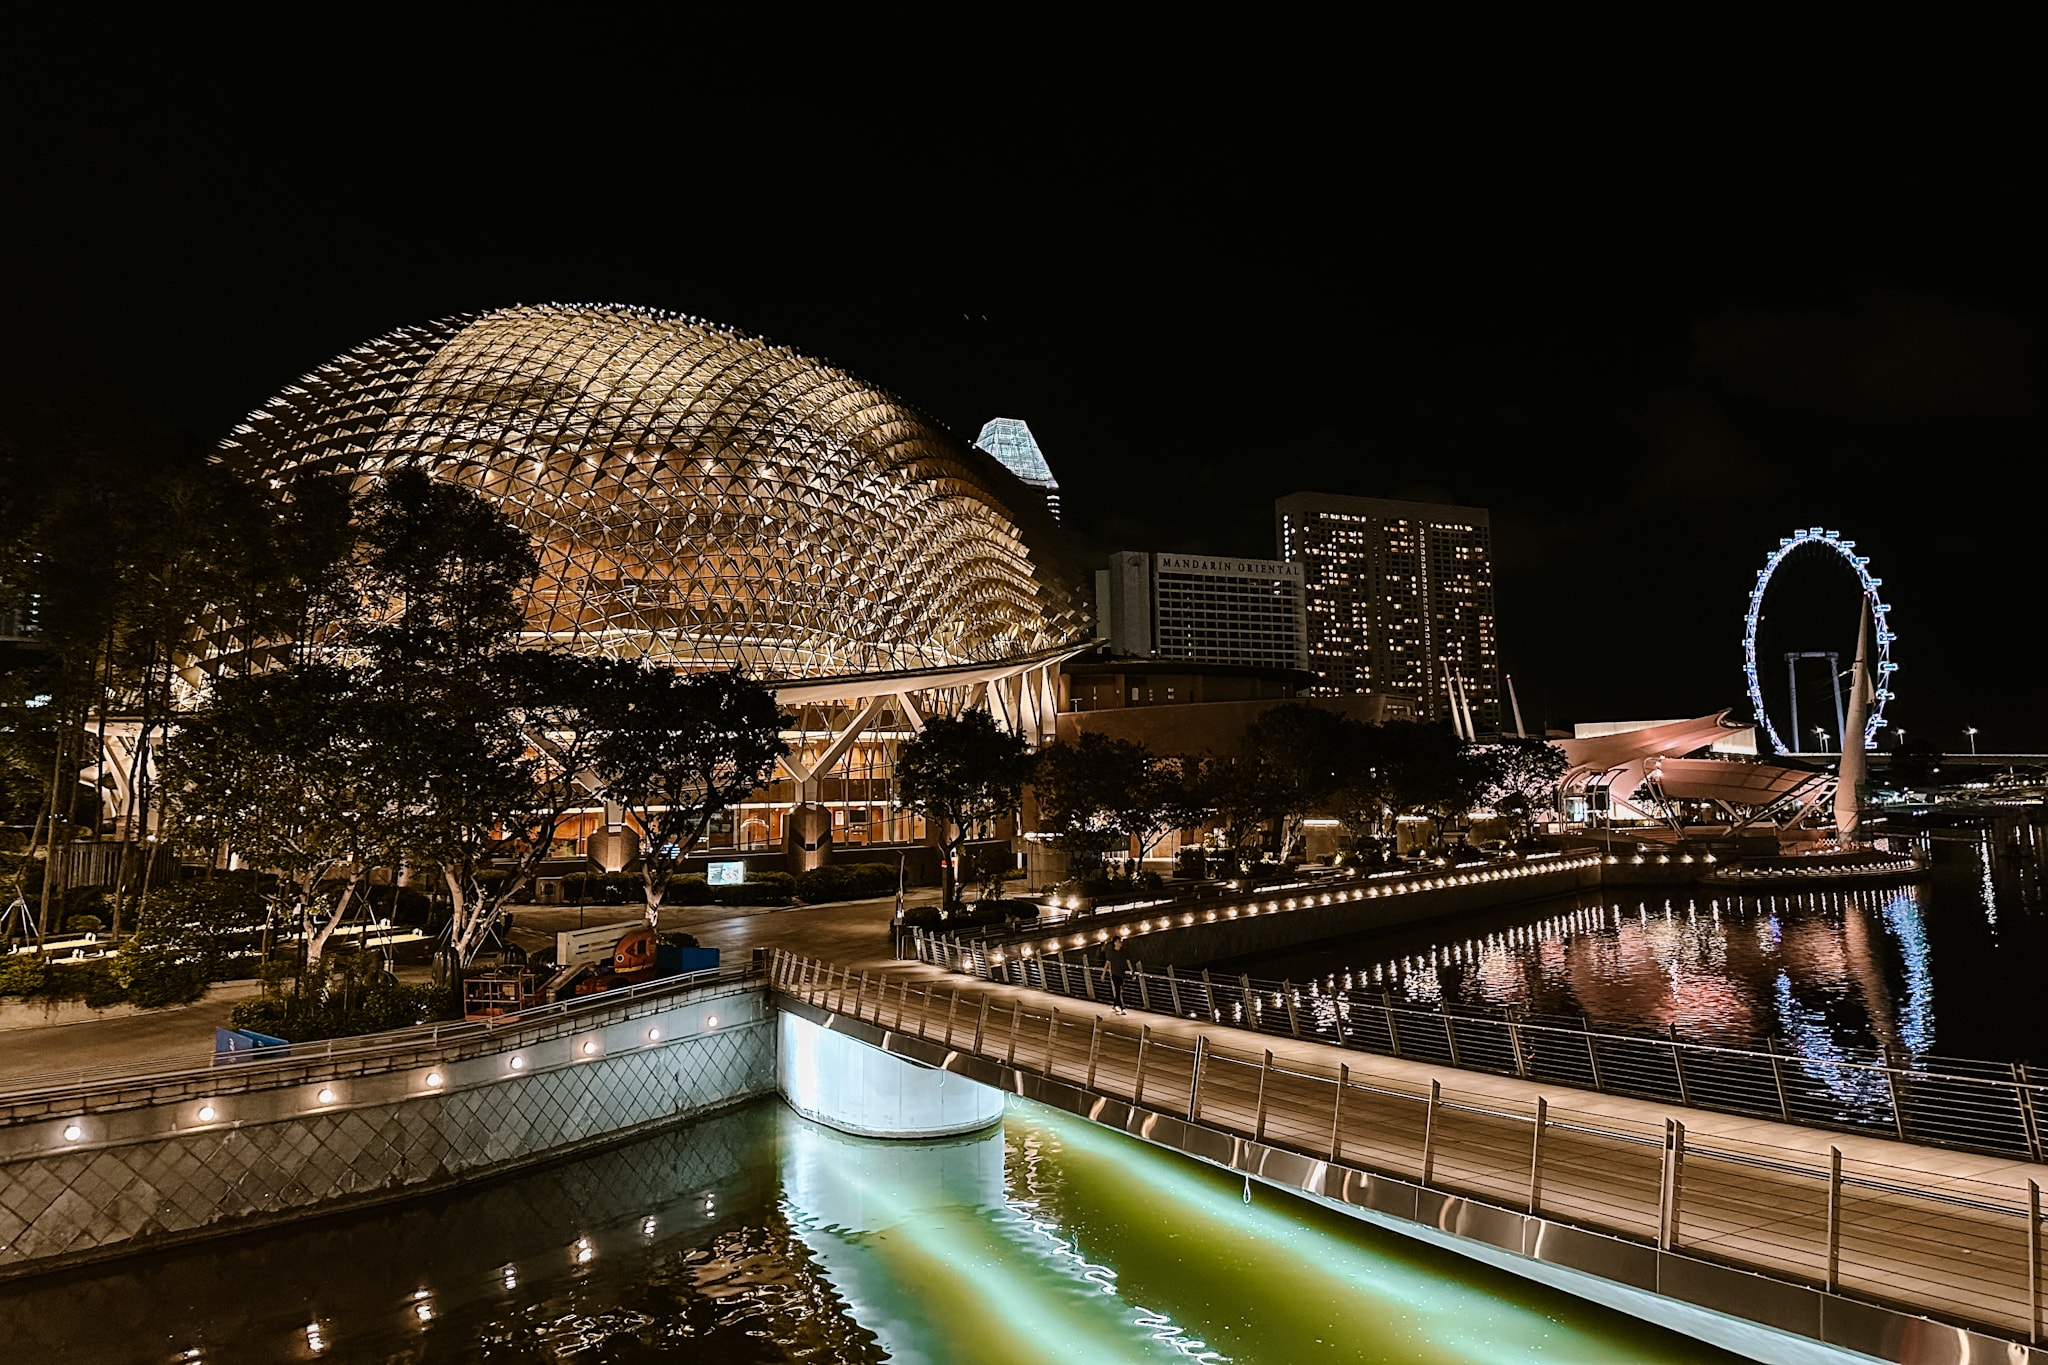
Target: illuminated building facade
[[1203, 608], [708, 499], [1398, 598]]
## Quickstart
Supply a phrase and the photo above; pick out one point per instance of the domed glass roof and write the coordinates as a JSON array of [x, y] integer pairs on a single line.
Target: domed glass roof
[[696, 495]]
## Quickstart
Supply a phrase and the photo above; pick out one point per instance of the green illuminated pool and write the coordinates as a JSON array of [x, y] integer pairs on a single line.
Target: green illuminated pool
[[757, 1236]]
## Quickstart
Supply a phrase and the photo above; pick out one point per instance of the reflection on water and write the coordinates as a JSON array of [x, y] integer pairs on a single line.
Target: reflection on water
[[757, 1236], [1825, 974]]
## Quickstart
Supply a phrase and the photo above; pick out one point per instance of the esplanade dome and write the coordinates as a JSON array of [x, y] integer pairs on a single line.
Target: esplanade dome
[[697, 495]]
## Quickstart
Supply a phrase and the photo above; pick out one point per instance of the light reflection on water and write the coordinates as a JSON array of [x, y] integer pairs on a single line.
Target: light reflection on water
[[757, 1236], [1823, 975]]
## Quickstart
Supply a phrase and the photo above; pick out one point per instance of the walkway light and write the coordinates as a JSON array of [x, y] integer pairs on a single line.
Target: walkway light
[[326, 1095], [72, 1132], [518, 1062], [206, 1113], [590, 1047], [710, 1021], [434, 1080], [654, 1035]]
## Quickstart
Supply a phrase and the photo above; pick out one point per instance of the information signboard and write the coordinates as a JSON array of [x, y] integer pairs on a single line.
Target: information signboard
[[725, 874]]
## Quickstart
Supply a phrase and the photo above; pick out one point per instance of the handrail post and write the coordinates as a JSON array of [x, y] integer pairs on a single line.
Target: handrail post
[[1536, 1154], [1834, 1280], [1778, 1077], [951, 1010], [1674, 1175], [1094, 1050], [860, 995], [1144, 1046], [1209, 994], [1515, 1041], [1891, 1085], [1259, 1111], [1016, 1022], [1293, 1014], [980, 1023], [1337, 1112], [1592, 1051], [924, 1008], [1173, 992], [1249, 1002], [1393, 1029], [1144, 996], [1450, 1030], [1195, 1078], [902, 1000], [1678, 1066], [1052, 1033], [1436, 1094], [2034, 1261], [2023, 1091]]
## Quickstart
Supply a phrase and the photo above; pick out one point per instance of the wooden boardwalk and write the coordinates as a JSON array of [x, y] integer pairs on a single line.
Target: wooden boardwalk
[[1932, 1231]]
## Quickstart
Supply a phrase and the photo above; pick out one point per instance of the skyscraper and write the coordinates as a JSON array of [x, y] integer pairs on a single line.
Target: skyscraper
[[1010, 441], [1398, 596]]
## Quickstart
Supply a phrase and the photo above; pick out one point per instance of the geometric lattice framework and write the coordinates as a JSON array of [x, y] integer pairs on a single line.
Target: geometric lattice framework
[[1882, 667], [697, 496]]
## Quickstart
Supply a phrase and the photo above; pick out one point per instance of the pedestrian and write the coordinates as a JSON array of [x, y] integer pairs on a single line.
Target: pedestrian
[[1116, 967]]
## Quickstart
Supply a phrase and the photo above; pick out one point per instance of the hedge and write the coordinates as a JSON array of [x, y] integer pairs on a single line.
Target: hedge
[[845, 882]]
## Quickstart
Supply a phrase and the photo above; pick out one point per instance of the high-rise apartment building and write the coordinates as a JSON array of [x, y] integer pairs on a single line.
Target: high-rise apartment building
[[1203, 608], [1397, 596]]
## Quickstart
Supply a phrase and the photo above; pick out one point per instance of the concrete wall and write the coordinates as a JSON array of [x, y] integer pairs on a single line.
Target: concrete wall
[[1272, 930], [862, 1090], [174, 1157]]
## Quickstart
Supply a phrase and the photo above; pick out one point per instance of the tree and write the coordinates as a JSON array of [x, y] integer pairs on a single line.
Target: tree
[[1521, 777], [675, 749], [1297, 753], [1098, 792], [111, 541], [294, 771], [406, 726], [1430, 771], [1080, 788], [960, 773]]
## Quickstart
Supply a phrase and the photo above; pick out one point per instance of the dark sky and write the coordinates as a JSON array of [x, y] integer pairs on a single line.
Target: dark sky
[[1652, 330]]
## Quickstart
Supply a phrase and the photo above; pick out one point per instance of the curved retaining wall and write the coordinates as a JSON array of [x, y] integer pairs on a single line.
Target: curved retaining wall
[[87, 1173], [865, 1091], [1191, 937]]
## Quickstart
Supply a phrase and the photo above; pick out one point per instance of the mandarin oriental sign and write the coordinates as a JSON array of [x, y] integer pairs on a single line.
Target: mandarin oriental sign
[[1244, 568]]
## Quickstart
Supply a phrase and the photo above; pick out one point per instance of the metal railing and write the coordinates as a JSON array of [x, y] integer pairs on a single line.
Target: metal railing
[[25, 1098], [1960, 1250], [1948, 1102]]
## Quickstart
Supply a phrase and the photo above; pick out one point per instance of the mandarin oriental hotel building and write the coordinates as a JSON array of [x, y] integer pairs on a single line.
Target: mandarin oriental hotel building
[[709, 500], [1206, 609]]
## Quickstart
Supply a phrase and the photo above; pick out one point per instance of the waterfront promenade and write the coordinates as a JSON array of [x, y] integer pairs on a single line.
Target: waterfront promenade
[[1825, 1220], [1807, 1228]]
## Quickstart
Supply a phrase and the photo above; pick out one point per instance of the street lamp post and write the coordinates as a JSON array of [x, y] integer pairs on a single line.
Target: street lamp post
[[1822, 736], [1971, 731]]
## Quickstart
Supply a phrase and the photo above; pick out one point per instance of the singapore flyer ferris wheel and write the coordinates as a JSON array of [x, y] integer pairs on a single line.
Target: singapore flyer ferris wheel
[[1882, 666]]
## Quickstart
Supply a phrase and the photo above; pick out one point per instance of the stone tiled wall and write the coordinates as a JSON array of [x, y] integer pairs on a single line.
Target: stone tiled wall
[[208, 1154]]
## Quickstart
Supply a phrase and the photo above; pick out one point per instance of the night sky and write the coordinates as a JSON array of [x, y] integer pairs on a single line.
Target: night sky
[[1652, 331]]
